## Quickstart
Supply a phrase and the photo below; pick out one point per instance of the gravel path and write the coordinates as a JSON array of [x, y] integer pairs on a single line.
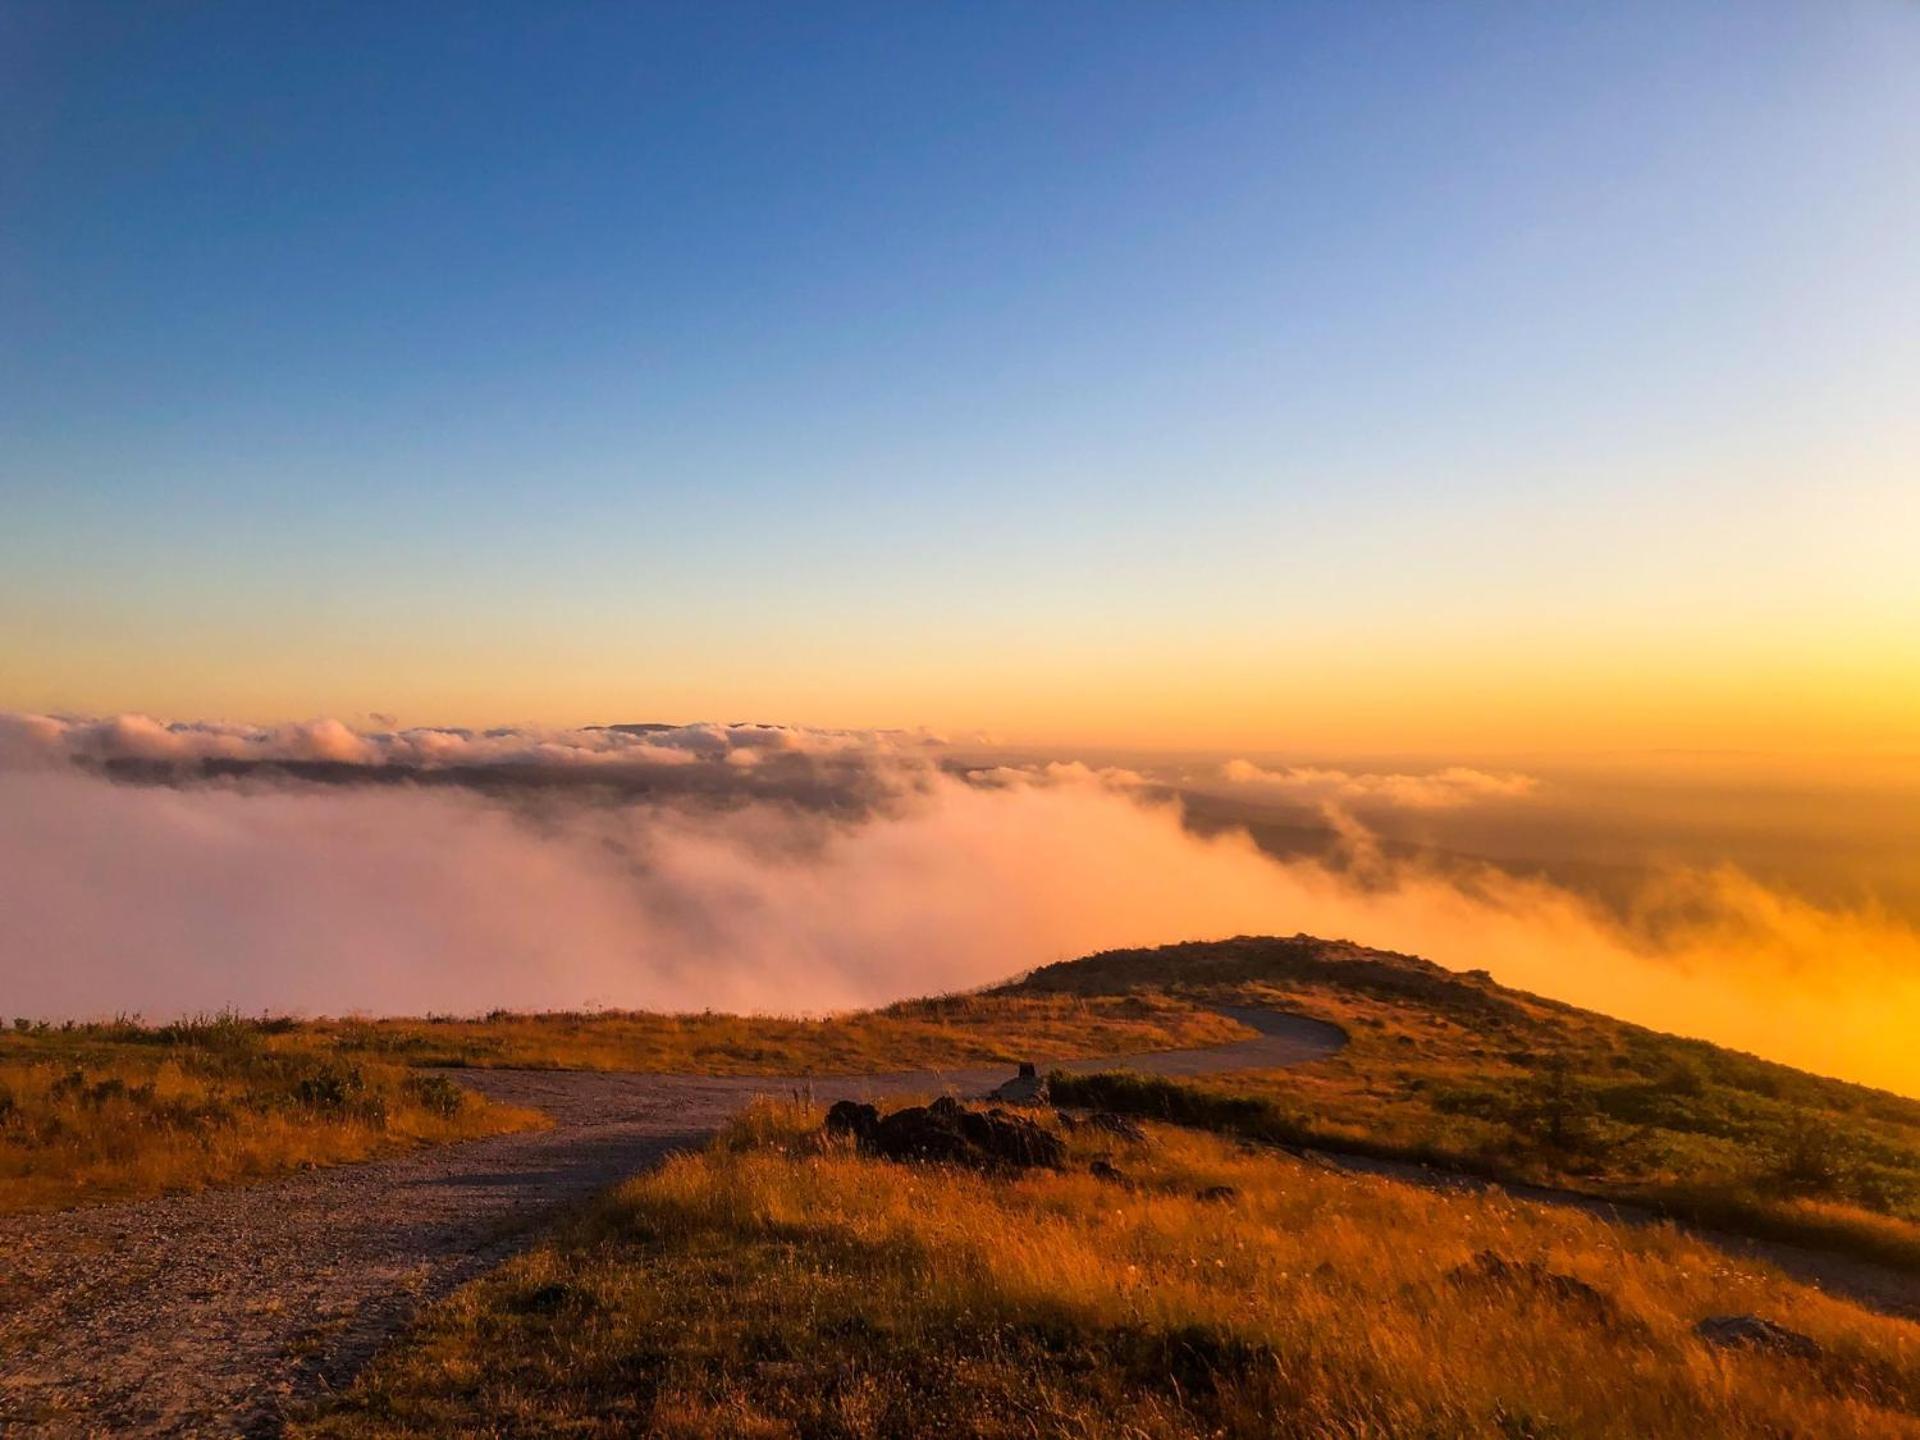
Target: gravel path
[[206, 1314]]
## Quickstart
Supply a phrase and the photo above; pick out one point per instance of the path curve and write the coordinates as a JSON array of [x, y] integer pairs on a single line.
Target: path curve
[[207, 1314]]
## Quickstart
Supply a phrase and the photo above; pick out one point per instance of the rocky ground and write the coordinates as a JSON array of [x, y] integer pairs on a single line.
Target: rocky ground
[[208, 1314]]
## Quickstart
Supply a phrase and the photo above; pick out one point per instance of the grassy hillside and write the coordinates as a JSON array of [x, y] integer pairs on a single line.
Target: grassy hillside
[[780, 1284], [1455, 1069], [940, 1033], [122, 1111], [1441, 1067]]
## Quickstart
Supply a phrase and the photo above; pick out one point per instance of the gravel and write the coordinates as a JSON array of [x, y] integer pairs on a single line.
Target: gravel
[[209, 1314]]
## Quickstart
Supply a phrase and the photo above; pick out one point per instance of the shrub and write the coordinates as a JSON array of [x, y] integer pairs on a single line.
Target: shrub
[[332, 1087], [111, 1088], [1558, 1111], [437, 1094], [1683, 1076], [1811, 1157]]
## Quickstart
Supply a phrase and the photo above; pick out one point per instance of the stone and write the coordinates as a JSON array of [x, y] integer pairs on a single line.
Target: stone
[[948, 1133], [851, 1118], [1029, 1087], [1532, 1277], [1752, 1332]]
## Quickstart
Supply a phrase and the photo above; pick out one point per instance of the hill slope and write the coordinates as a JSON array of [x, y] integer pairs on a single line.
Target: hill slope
[[1456, 1069], [1161, 1285]]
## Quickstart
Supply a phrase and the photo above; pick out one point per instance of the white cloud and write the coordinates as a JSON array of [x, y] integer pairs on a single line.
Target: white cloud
[[1446, 789], [27, 739], [1058, 772], [407, 899]]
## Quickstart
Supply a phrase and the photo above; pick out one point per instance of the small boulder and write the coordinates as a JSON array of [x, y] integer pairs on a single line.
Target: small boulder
[[1029, 1087], [1530, 1277], [851, 1118], [946, 1132], [1752, 1332], [1013, 1139], [919, 1132]]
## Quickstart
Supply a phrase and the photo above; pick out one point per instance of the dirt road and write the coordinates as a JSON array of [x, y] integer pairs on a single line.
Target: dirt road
[[206, 1314]]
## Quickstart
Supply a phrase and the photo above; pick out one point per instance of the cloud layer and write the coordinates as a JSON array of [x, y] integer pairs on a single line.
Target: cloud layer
[[49, 739], [1446, 789], [265, 892]]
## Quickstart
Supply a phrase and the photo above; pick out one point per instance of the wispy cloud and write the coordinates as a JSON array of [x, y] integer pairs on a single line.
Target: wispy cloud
[[1446, 789], [1058, 772], [25, 738]]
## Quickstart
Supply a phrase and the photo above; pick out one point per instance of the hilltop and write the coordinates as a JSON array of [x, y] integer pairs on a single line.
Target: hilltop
[[1457, 1070]]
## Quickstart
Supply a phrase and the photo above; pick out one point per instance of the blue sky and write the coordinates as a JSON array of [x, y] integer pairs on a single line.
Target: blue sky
[[901, 363]]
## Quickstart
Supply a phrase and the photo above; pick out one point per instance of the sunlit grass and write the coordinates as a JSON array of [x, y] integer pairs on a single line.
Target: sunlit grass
[[778, 1285], [1456, 1070], [935, 1033], [121, 1109], [87, 1117], [1439, 1068]]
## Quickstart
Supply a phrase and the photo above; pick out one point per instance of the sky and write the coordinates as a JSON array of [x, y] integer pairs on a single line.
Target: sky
[[1411, 379]]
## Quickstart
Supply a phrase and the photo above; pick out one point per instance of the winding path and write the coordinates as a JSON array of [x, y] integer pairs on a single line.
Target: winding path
[[207, 1314]]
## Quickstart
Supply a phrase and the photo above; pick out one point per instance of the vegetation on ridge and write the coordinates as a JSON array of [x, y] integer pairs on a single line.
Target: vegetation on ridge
[[1457, 1070], [121, 1109], [941, 1032], [780, 1285], [1441, 1067], [124, 1111]]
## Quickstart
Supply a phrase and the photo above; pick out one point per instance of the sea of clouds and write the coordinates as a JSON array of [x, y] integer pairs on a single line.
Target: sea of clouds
[[163, 868]]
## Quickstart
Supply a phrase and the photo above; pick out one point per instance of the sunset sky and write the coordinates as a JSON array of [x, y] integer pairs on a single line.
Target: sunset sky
[[1398, 378]]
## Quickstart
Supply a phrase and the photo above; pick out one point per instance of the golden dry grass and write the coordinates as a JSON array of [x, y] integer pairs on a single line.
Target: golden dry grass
[[777, 1285], [121, 1110], [1430, 1087], [937, 1033], [1461, 1071], [106, 1121]]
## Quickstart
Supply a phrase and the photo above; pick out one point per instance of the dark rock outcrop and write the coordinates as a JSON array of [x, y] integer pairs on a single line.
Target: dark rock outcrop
[[948, 1133], [851, 1118], [1751, 1332], [1530, 1277], [1029, 1087]]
